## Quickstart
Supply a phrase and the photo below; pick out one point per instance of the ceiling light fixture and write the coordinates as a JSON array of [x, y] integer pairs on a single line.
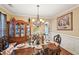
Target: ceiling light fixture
[[39, 21]]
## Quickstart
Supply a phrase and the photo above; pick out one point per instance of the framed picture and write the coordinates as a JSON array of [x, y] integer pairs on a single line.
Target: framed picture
[[65, 22]]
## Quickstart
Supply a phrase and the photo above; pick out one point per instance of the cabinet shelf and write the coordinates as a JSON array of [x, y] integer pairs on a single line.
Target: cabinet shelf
[[17, 30]]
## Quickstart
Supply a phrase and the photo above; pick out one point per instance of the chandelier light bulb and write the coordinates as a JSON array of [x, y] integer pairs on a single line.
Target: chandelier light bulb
[[33, 20], [41, 20]]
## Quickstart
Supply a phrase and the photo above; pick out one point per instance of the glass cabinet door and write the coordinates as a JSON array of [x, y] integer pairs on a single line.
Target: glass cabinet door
[[28, 30], [22, 30], [17, 31]]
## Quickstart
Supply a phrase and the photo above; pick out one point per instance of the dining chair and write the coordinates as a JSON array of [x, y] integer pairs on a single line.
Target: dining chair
[[57, 38]]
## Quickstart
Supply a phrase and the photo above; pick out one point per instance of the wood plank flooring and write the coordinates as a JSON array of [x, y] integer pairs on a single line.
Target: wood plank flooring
[[65, 52], [29, 51]]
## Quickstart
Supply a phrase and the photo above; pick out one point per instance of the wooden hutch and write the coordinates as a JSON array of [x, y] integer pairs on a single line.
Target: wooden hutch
[[17, 31]]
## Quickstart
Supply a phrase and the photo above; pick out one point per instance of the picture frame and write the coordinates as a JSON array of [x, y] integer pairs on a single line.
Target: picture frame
[[65, 22]]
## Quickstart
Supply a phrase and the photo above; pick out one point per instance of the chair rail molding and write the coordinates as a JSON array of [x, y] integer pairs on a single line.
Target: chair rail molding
[[69, 43]]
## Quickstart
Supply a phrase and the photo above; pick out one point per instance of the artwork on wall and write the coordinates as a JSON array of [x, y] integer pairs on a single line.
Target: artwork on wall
[[65, 22]]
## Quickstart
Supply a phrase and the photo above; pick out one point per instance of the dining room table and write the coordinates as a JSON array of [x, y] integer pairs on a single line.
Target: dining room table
[[52, 47]]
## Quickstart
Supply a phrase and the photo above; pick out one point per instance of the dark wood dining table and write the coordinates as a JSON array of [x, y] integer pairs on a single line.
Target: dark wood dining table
[[31, 50]]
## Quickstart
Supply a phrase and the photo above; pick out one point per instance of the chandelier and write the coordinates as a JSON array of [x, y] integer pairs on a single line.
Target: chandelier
[[39, 21]]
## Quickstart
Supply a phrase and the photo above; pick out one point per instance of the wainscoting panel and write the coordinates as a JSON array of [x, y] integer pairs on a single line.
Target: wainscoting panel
[[69, 43]]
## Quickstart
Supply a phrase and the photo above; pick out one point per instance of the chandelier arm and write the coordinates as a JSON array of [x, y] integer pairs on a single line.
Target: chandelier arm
[[37, 12]]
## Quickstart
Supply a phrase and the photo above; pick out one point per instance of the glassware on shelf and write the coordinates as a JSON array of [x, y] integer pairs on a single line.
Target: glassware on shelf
[[22, 30], [28, 29], [17, 30]]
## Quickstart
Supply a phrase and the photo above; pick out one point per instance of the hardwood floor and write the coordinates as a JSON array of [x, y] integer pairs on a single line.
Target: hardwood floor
[[24, 51], [65, 52], [29, 51]]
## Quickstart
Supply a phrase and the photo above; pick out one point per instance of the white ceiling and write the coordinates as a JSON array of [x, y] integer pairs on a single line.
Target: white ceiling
[[45, 10]]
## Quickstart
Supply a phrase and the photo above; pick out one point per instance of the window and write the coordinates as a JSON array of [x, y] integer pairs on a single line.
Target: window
[[2, 24], [46, 29]]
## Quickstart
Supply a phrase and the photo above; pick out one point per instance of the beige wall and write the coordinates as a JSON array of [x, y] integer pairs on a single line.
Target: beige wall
[[75, 31], [5, 11]]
